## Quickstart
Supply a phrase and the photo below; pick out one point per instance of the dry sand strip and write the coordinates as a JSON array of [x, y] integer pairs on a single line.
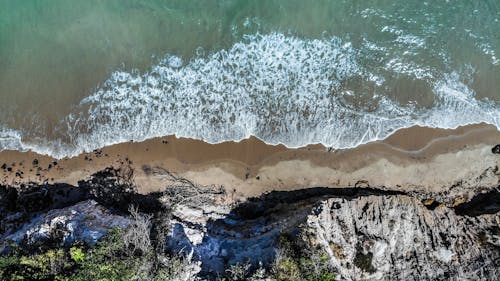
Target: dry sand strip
[[417, 158]]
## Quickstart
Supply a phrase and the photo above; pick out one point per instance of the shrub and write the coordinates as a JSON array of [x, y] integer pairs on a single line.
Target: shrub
[[136, 237], [296, 259], [316, 267], [238, 272], [8, 265], [106, 261], [77, 254], [285, 268]]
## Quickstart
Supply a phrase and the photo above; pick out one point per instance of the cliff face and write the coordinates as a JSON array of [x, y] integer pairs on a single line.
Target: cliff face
[[86, 221], [367, 234], [397, 238]]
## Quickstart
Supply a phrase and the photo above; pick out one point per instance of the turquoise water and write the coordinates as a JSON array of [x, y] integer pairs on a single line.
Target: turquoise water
[[79, 75]]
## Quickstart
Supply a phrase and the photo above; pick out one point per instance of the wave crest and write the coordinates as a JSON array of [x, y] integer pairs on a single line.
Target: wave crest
[[282, 89]]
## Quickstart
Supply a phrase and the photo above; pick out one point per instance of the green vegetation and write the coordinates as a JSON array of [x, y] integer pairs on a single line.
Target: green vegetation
[[138, 251], [108, 260], [77, 255], [103, 262], [298, 260], [130, 255], [286, 268]]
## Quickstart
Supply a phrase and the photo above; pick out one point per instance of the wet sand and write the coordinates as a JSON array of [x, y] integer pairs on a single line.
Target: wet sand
[[416, 159]]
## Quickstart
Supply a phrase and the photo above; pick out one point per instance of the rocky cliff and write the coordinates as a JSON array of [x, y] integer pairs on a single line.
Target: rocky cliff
[[365, 233], [368, 234], [398, 238]]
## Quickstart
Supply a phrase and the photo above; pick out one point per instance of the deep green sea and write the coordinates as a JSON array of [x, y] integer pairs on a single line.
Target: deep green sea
[[79, 75]]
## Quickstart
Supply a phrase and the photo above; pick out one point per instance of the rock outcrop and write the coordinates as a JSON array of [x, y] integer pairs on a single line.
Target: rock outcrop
[[496, 149], [86, 221], [397, 238], [368, 234]]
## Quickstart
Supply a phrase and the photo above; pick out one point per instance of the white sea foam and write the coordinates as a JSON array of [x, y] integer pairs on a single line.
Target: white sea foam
[[282, 89], [10, 139]]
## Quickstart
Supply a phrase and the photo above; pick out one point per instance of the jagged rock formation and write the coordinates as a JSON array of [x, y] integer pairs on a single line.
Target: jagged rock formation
[[85, 221], [221, 237], [496, 149], [60, 214], [368, 235], [397, 238]]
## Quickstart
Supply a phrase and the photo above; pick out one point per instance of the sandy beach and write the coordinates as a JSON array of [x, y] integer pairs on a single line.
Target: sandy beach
[[414, 159], [257, 140]]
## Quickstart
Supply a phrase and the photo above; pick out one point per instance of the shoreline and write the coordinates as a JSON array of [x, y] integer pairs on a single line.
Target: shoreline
[[415, 159]]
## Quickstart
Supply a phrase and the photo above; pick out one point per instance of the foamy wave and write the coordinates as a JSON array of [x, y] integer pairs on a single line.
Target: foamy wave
[[10, 139], [282, 89]]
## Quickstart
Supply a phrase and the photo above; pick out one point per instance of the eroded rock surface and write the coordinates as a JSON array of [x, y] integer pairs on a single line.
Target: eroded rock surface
[[86, 221], [396, 238], [368, 235]]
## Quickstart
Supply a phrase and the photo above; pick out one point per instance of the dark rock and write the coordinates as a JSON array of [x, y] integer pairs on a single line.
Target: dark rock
[[362, 183], [4, 166], [496, 149], [430, 204], [35, 162], [317, 209], [8, 198], [335, 205], [483, 203], [364, 261], [97, 152], [106, 187]]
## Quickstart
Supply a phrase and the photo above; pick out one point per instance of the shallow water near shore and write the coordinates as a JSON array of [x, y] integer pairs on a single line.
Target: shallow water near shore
[[76, 76]]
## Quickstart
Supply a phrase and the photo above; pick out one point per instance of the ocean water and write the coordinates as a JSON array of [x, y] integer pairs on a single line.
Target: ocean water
[[79, 75]]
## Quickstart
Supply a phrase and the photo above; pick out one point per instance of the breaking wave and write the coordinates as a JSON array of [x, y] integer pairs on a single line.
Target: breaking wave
[[281, 89]]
